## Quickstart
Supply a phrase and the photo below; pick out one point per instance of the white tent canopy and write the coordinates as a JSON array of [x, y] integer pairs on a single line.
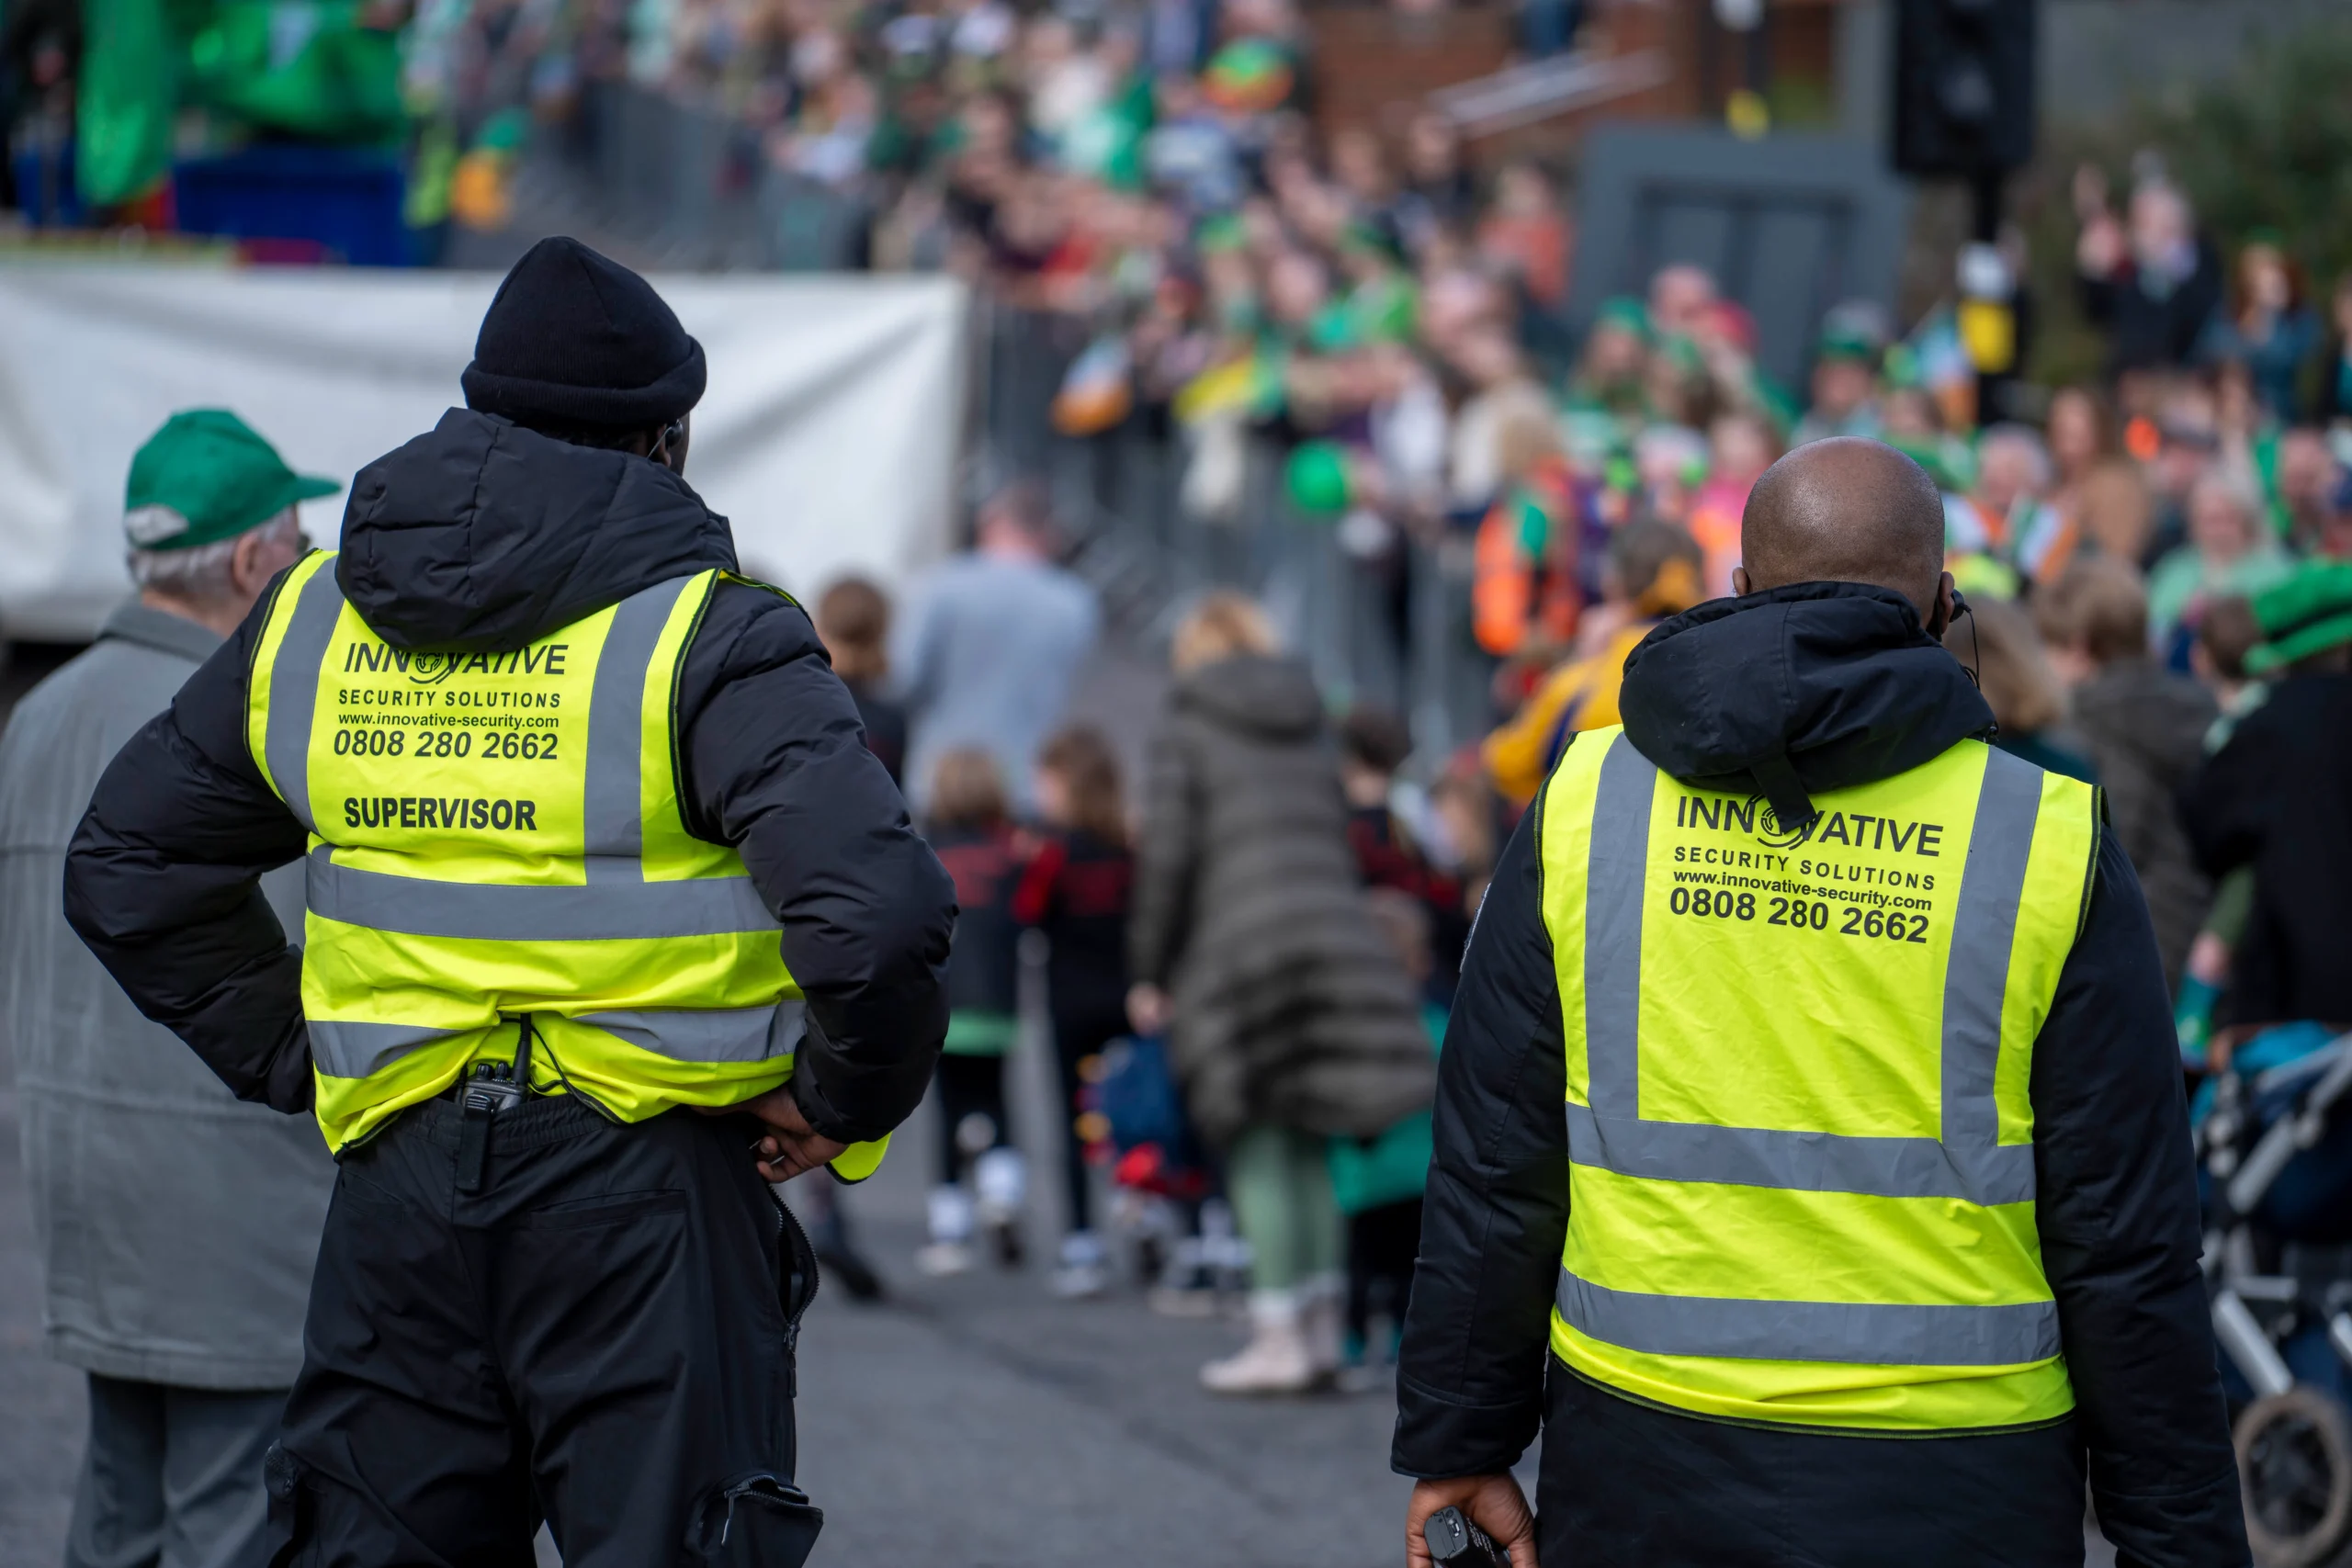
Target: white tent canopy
[[828, 435]]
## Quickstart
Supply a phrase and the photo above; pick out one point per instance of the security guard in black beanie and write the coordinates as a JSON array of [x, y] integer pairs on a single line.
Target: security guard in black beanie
[[611, 917]]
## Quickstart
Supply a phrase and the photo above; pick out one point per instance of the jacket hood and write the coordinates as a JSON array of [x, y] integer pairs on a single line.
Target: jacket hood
[[1808, 688], [481, 536], [1272, 697]]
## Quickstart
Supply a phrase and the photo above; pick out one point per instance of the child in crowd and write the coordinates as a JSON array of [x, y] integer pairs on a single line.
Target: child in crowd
[[1075, 890], [970, 828], [1374, 744], [1378, 1182], [853, 620]]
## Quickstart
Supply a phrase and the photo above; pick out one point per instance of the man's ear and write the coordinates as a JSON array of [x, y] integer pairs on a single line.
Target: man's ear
[[1946, 607], [1741, 581], [244, 570]]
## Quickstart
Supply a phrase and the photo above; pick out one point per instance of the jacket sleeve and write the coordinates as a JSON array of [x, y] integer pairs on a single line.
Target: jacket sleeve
[[1167, 856], [163, 884], [2227, 804], [1470, 1374], [2118, 1216], [775, 764]]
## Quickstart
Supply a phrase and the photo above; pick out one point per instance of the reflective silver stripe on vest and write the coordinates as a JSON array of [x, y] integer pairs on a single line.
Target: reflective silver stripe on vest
[[1847, 1333], [612, 813], [613, 911], [1616, 868], [1968, 1163], [1802, 1162], [716, 1035], [294, 689], [340, 1049], [1976, 976]]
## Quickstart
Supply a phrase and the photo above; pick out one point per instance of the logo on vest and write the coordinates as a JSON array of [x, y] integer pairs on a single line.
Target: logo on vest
[[1757, 877], [432, 668]]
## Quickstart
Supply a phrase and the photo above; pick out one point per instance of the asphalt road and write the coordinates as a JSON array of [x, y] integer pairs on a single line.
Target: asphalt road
[[964, 1423]]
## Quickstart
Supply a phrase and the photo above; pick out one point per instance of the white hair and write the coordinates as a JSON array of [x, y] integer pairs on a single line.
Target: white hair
[[200, 573], [2233, 488], [2028, 443]]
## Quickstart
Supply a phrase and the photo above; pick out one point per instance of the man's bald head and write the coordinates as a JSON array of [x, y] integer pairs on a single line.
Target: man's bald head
[[1847, 510]]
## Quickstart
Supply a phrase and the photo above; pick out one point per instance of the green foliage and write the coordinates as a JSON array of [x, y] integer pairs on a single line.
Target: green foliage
[[2263, 152], [2270, 148]]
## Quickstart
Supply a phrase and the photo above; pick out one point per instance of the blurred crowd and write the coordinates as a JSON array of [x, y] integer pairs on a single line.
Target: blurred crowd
[[2155, 558]]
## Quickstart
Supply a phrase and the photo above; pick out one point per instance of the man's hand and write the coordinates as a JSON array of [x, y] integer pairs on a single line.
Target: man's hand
[[790, 1146], [1493, 1503]]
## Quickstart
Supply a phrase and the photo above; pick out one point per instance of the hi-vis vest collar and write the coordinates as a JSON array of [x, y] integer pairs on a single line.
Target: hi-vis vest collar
[[498, 836], [1798, 1060]]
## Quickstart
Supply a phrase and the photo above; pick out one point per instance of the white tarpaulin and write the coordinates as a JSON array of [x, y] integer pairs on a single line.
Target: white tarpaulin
[[828, 435]]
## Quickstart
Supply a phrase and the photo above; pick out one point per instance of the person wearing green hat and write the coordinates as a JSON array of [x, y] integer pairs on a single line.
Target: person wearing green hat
[[1845, 377], [181, 1298], [2275, 797], [209, 515]]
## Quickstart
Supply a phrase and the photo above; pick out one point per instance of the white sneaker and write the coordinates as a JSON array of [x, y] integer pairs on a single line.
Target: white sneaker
[[948, 1210], [1275, 1360], [1083, 1268], [1002, 1179], [940, 1259], [1320, 1320]]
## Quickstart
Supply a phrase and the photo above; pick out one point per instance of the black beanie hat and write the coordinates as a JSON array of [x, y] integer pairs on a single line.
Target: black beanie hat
[[572, 337]]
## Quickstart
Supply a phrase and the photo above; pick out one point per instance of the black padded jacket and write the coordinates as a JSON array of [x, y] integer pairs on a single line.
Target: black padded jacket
[[1841, 680], [480, 536]]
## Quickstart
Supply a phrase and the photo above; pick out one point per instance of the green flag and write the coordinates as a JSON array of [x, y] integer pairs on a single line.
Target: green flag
[[124, 100]]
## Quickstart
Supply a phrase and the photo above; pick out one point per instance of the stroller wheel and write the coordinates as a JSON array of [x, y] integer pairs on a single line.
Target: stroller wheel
[[2295, 1462]]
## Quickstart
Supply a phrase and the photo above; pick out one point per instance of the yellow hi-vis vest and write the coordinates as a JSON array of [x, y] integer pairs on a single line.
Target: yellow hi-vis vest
[[496, 837], [1801, 1146]]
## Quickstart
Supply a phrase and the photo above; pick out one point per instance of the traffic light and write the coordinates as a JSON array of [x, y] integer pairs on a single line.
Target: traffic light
[[1963, 85]]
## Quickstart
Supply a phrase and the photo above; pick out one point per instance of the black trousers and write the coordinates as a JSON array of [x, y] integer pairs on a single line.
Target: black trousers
[[968, 1085], [1382, 1243], [1078, 1032], [601, 1335]]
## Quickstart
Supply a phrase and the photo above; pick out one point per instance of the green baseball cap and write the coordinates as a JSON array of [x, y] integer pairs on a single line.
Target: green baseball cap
[[206, 477], [2310, 613]]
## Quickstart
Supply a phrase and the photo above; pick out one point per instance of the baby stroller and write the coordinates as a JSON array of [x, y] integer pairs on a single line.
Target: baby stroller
[[2274, 1137]]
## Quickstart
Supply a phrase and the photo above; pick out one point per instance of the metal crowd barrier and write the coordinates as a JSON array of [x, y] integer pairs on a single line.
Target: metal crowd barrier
[[689, 181], [1392, 628]]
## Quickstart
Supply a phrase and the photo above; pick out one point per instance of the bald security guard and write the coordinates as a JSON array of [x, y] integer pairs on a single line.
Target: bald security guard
[[1812, 1164]]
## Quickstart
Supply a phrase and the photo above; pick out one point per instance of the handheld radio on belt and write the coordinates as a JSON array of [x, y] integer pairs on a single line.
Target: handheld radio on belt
[[493, 1087]]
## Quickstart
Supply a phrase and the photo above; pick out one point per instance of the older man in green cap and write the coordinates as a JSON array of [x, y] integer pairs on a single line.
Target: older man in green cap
[[177, 1225]]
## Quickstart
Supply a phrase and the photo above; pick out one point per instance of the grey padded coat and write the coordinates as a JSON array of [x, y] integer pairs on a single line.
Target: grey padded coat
[[1289, 1009]]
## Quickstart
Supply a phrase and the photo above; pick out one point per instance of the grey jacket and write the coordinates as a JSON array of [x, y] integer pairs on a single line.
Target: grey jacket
[[1288, 1008], [176, 1225], [2146, 730]]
